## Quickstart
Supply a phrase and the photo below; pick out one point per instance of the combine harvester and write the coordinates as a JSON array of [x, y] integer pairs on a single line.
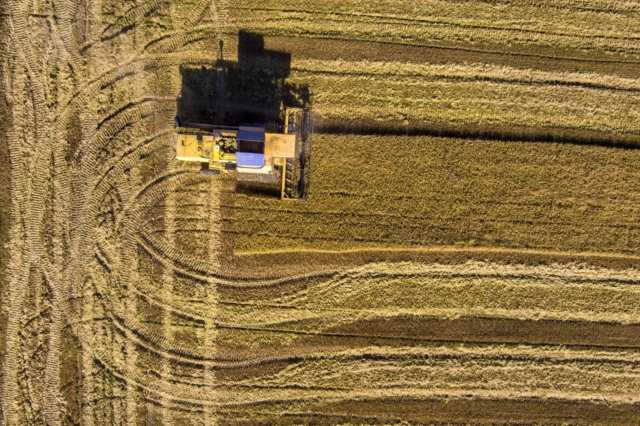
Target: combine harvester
[[253, 152]]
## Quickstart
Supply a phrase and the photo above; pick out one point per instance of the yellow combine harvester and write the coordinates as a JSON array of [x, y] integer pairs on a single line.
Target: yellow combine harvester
[[250, 151]]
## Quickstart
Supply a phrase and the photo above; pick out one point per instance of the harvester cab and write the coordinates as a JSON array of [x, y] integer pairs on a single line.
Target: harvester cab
[[252, 152]]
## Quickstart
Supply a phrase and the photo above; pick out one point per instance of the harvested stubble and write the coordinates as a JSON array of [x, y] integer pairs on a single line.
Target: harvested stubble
[[414, 331]]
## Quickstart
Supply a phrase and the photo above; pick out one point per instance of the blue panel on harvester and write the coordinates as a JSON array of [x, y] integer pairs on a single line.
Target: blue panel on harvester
[[254, 134], [249, 159]]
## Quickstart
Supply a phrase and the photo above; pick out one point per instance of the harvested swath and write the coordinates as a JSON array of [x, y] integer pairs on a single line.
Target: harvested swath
[[457, 53], [271, 345], [253, 268], [415, 287], [411, 303], [463, 410], [480, 372]]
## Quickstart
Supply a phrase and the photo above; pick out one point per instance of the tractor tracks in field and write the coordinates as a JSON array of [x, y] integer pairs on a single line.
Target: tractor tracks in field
[[75, 198], [38, 186]]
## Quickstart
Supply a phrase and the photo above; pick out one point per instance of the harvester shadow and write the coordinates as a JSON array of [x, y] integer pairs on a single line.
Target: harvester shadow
[[253, 89], [250, 90]]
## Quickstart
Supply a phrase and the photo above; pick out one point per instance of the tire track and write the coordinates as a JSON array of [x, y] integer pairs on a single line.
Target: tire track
[[144, 199], [38, 179], [80, 236], [166, 291], [165, 249], [133, 380], [129, 20], [66, 11], [16, 278], [33, 216], [129, 159], [215, 264], [222, 280], [471, 369]]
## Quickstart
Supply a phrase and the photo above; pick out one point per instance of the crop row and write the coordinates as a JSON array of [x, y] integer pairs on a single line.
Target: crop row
[[611, 28], [469, 95]]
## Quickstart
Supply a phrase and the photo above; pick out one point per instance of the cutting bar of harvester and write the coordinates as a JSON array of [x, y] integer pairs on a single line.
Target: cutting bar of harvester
[[295, 172], [306, 133]]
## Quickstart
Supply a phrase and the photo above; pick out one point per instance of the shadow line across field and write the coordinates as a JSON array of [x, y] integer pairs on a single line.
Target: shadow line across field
[[476, 131]]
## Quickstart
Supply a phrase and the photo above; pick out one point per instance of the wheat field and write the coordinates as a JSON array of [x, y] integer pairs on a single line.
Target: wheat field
[[468, 251]]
